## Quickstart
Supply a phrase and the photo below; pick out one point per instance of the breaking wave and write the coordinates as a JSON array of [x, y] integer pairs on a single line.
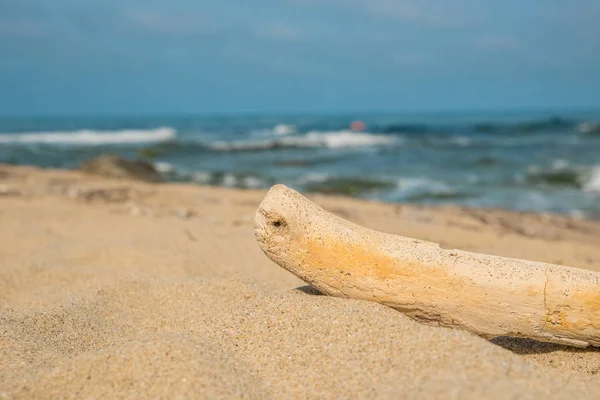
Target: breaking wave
[[91, 137], [402, 189], [230, 179], [313, 139], [561, 173], [592, 183], [589, 128]]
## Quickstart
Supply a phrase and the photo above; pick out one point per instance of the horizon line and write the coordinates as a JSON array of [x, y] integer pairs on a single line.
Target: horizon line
[[333, 113]]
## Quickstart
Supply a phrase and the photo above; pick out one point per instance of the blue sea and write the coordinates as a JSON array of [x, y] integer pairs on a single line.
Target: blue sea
[[523, 161]]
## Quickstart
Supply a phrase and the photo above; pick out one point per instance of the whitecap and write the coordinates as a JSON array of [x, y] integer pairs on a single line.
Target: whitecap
[[420, 184], [592, 183], [462, 141], [588, 128], [312, 139], [560, 164], [90, 137], [345, 138], [164, 167], [252, 182], [577, 214], [229, 180], [201, 177], [283, 129], [313, 177]]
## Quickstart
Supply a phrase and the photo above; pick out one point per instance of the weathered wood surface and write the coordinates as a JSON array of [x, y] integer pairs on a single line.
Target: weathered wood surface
[[488, 295]]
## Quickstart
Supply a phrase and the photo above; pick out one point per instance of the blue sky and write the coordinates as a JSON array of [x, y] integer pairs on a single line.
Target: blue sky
[[288, 56]]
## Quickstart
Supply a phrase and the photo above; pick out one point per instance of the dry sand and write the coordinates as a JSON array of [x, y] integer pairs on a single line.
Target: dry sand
[[114, 289]]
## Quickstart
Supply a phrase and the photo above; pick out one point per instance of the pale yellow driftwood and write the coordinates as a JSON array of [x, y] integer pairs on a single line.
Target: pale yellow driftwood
[[488, 295]]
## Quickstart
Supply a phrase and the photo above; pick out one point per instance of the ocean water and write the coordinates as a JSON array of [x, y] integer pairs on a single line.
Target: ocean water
[[523, 161]]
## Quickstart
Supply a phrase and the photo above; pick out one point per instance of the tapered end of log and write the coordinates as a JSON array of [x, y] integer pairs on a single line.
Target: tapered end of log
[[276, 201], [279, 220], [301, 237], [285, 212]]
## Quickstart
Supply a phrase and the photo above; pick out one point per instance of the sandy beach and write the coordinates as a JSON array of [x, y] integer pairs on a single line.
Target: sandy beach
[[120, 289]]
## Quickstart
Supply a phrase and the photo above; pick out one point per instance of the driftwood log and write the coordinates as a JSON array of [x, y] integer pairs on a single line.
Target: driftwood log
[[488, 295]]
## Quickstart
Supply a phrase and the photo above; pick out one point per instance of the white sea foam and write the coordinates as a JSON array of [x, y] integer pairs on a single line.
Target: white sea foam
[[422, 185], [201, 177], [462, 141], [588, 128], [593, 181], [341, 139], [164, 167], [252, 182], [419, 189], [229, 180], [283, 129], [276, 131], [408, 186], [313, 177], [560, 164], [90, 137], [327, 139], [472, 179], [577, 214]]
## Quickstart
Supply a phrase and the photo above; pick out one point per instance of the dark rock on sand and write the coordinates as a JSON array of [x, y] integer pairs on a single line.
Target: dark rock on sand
[[115, 167]]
